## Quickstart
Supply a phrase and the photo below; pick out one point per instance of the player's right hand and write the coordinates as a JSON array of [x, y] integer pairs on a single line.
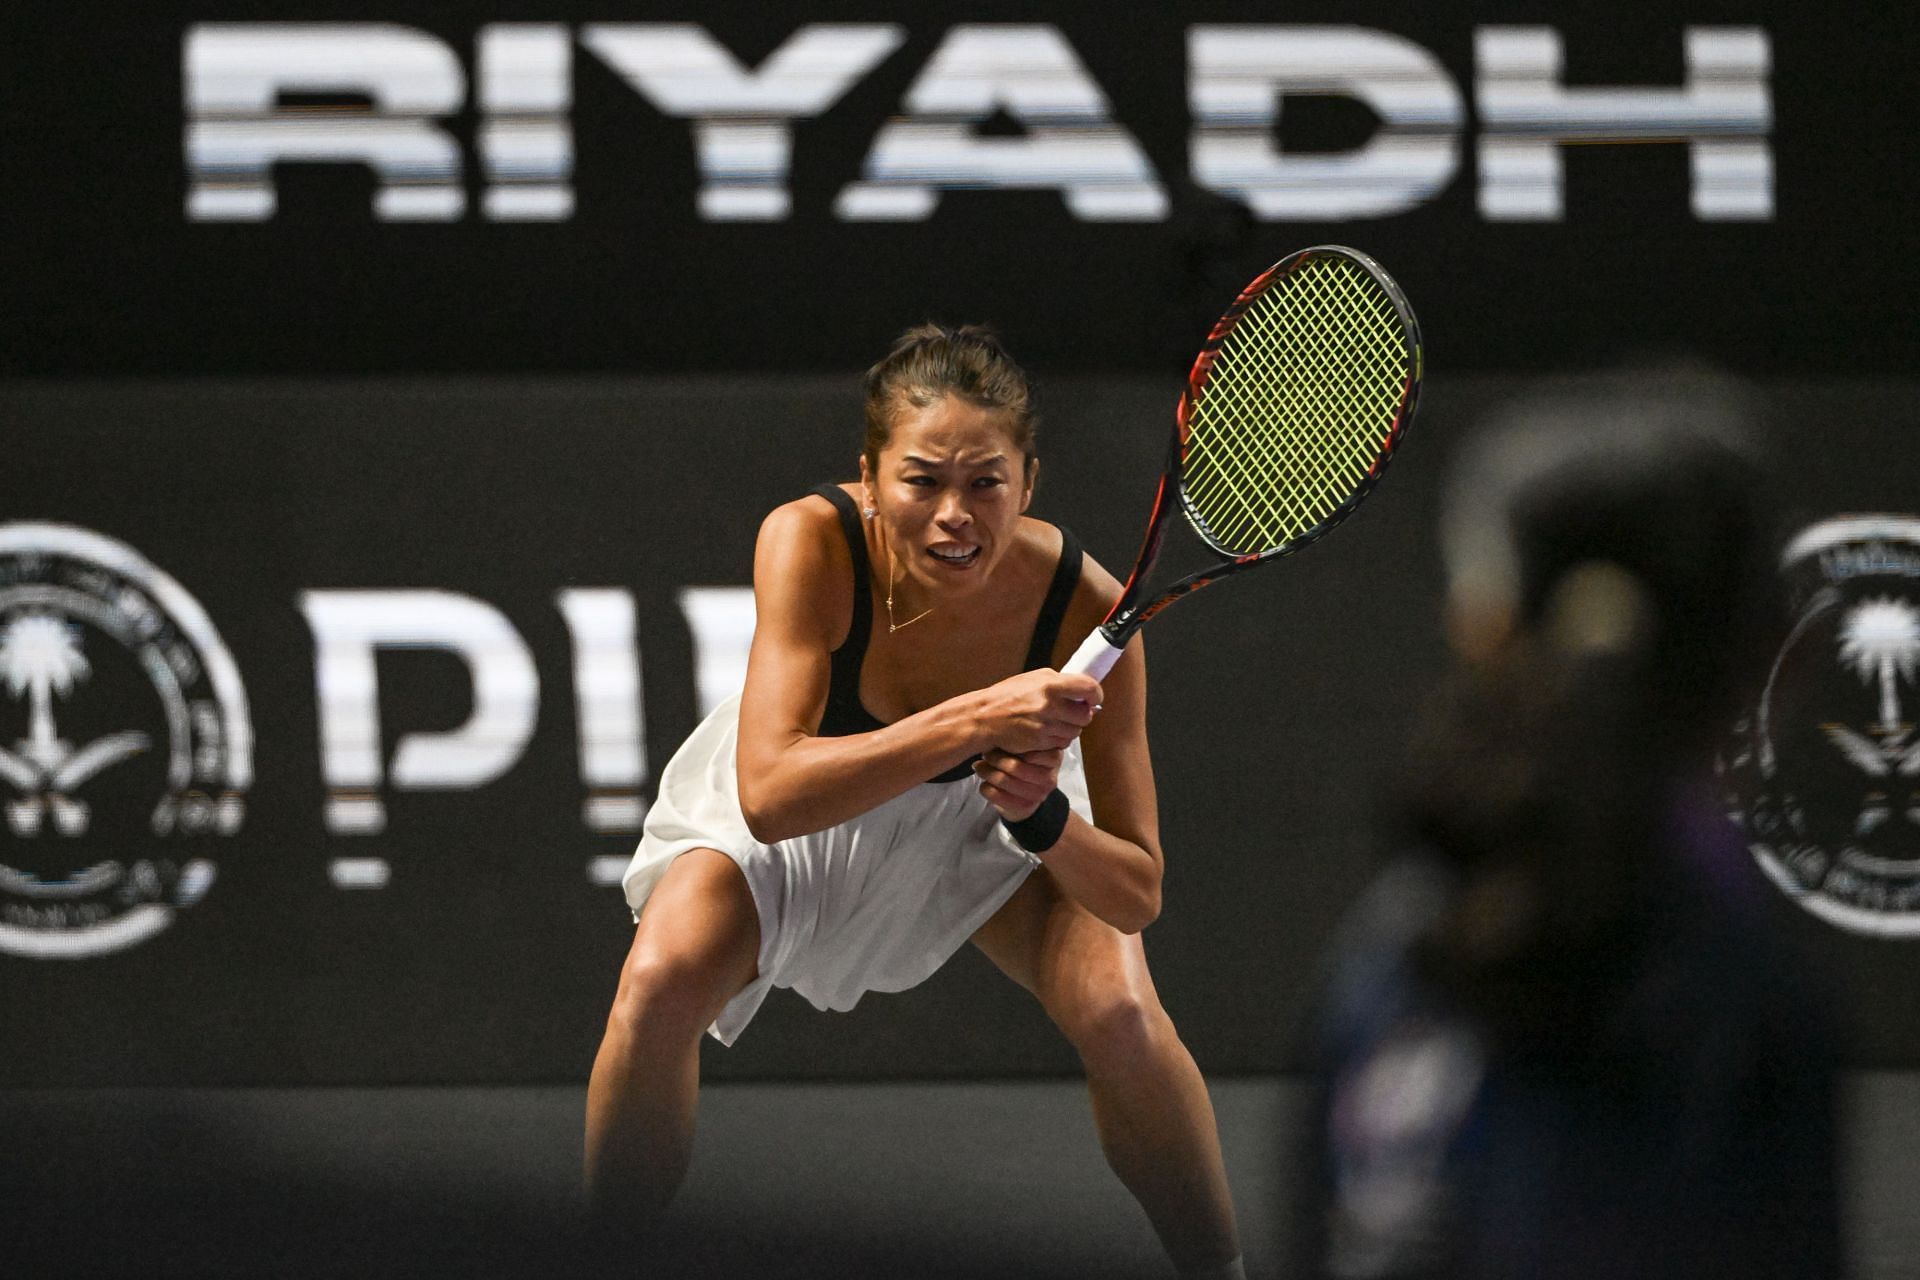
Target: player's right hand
[[1015, 785], [1036, 710]]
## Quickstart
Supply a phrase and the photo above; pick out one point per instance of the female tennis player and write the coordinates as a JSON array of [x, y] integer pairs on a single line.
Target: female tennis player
[[906, 770]]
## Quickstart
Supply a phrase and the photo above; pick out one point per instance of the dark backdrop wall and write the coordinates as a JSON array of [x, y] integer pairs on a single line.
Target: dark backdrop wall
[[490, 949], [390, 406]]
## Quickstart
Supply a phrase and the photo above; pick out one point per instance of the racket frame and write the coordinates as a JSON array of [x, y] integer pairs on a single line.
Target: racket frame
[[1102, 648]]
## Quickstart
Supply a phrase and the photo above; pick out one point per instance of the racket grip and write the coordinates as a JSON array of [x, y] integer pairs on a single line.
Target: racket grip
[[1094, 657]]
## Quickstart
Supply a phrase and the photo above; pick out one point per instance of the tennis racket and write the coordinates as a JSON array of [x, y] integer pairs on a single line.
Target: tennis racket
[[1292, 412]]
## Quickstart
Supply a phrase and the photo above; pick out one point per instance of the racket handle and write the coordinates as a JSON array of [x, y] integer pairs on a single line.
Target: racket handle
[[1094, 657]]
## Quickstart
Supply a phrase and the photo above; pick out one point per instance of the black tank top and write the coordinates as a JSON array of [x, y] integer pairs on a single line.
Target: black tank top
[[845, 714]]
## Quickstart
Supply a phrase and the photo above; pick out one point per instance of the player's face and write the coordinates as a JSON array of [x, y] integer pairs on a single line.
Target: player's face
[[949, 491]]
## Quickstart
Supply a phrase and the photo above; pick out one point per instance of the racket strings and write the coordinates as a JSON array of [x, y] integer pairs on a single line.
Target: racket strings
[[1299, 405], [1279, 463], [1289, 467]]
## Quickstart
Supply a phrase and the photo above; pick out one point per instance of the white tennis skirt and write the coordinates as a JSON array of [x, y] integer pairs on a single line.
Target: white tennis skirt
[[875, 904]]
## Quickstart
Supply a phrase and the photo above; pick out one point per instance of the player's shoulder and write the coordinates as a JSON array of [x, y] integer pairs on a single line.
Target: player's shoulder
[[803, 536], [1093, 597], [1097, 581], [1045, 542], [809, 515], [807, 529], [1098, 588], [1038, 541], [1042, 543], [803, 568]]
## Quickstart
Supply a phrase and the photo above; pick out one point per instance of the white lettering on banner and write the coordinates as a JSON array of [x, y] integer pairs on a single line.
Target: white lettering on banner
[[721, 620], [237, 130], [1242, 75], [348, 628], [1033, 75], [606, 690], [526, 143], [351, 627], [1723, 113], [360, 873], [740, 118], [1239, 77]]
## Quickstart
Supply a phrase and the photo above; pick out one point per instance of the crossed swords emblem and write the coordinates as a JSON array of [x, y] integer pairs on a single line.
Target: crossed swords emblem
[[40, 657]]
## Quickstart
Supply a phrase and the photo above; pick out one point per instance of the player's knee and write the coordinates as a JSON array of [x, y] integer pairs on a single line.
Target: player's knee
[[672, 992], [1116, 1023]]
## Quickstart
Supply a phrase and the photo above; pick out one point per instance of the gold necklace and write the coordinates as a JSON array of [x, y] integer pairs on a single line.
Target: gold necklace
[[893, 626]]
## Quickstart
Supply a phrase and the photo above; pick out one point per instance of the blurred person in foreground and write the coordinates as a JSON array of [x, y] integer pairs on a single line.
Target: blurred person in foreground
[[1558, 1038]]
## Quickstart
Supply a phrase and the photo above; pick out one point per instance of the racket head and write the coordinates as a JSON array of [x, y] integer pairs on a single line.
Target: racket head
[[1296, 404]]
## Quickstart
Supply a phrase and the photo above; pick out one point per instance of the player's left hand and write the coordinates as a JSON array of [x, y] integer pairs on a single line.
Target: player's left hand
[[1016, 784]]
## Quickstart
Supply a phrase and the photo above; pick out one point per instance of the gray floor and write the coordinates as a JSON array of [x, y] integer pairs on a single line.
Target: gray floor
[[845, 1180]]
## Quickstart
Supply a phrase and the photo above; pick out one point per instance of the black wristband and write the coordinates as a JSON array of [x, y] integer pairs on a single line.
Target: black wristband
[[1040, 830]]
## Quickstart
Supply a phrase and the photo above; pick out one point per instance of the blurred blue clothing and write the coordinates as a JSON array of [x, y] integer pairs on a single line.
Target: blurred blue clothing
[[1654, 1099]]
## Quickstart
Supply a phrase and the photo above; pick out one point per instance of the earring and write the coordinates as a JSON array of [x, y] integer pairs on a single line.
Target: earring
[[868, 512]]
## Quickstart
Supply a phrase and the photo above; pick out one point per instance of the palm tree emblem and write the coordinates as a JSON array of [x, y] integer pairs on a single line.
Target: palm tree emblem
[[1880, 640], [40, 657]]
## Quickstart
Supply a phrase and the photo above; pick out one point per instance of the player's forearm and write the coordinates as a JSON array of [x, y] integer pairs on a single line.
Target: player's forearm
[[1114, 878], [807, 783]]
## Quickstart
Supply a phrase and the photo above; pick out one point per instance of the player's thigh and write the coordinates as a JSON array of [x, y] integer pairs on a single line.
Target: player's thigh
[[698, 940], [1080, 967]]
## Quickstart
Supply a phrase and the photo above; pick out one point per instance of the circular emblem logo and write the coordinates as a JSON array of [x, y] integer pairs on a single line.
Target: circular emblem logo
[[125, 744], [1824, 771]]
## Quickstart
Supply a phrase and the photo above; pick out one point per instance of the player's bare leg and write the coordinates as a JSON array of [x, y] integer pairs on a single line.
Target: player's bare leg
[[697, 944], [1150, 1103]]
